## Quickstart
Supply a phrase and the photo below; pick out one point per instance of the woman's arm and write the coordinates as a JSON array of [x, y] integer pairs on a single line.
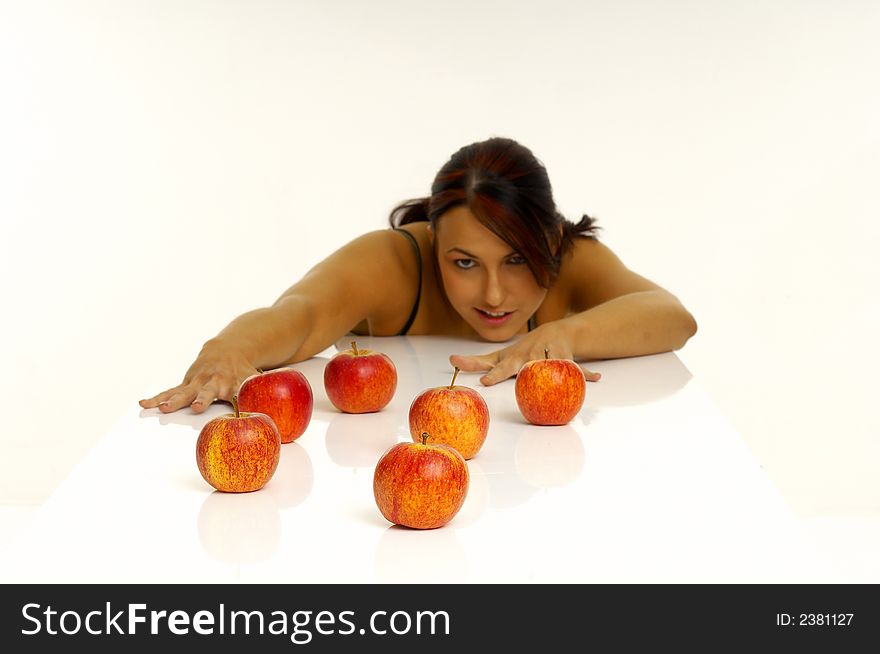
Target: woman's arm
[[367, 278], [614, 313]]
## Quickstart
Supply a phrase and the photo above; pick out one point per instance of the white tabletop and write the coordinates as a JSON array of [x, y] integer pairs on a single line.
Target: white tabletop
[[649, 483]]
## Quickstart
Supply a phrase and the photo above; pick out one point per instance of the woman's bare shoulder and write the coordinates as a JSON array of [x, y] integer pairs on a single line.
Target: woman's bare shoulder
[[589, 252], [395, 250], [380, 268], [380, 249], [591, 273], [419, 231], [373, 263]]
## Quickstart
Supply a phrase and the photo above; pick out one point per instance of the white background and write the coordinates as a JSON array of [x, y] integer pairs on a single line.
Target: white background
[[166, 166]]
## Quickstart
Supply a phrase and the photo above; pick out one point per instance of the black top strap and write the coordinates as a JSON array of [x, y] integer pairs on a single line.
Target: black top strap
[[418, 253]]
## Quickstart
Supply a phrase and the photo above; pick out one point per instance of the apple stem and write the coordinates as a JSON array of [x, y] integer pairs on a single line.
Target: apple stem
[[425, 438], [454, 375], [546, 352], [354, 347], [235, 406]]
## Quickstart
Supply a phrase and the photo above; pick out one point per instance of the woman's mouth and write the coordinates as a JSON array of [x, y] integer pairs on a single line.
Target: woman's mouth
[[494, 318]]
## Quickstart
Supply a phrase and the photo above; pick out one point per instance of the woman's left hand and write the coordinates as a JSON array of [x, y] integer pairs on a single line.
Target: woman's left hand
[[505, 363]]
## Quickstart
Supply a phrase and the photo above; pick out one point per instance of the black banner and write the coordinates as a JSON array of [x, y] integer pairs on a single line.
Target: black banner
[[426, 618]]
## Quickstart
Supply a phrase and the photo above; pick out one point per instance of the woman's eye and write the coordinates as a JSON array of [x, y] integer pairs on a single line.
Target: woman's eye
[[516, 260], [465, 264]]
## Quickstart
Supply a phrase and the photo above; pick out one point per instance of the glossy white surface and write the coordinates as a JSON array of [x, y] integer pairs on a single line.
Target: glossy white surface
[[649, 483]]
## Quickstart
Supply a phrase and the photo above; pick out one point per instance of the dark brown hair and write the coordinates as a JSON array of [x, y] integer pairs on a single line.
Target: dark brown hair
[[508, 190]]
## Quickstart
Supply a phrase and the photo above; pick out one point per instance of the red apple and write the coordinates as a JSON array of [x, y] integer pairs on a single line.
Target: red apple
[[420, 485], [360, 381], [454, 415], [550, 391], [238, 452], [283, 394]]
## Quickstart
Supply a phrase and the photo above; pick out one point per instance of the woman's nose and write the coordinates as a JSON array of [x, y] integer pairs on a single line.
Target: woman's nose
[[493, 293]]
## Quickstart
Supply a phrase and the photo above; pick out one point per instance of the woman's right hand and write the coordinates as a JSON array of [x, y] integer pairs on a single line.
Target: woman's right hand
[[216, 374]]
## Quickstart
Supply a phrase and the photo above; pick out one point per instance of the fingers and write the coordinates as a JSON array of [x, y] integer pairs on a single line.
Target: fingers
[[509, 363], [156, 400], [204, 399], [178, 399], [591, 376], [475, 363], [199, 397], [506, 369], [510, 366], [210, 394]]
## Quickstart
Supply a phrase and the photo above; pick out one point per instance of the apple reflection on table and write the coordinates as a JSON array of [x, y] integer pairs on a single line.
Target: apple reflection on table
[[432, 556], [548, 457], [242, 528], [239, 528], [519, 458], [505, 489], [477, 500], [358, 441]]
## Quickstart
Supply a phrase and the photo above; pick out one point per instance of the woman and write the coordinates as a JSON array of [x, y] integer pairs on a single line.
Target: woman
[[485, 256]]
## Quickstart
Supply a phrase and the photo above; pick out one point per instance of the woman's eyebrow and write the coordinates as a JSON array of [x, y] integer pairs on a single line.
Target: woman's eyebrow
[[474, 256], [464, 252]]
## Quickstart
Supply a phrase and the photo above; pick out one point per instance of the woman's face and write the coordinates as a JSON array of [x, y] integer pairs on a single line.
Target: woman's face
[[488, 283]]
